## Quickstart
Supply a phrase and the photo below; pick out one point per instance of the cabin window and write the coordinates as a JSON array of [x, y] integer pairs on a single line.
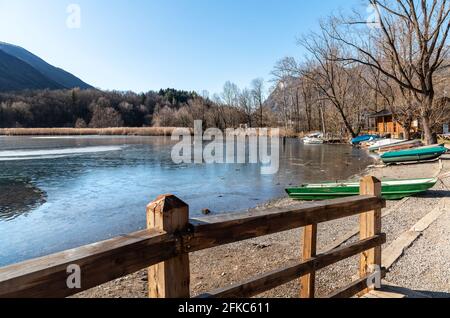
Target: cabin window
[[372, 124]]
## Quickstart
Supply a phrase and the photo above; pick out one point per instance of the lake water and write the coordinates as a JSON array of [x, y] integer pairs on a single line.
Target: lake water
[[60, 193]]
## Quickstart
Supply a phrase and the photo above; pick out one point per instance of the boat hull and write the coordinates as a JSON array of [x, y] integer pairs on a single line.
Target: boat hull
[[361, 139], [391, 190], [412, 158], [413, 155], [313, 141], [400, 146], [384, 143]]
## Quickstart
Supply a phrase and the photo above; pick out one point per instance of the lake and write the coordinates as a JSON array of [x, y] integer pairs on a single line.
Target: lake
[[62, 192]]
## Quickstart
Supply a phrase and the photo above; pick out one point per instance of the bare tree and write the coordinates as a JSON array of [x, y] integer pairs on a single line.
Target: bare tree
[[230, 94], [423, 25], [288, 78], [105, 118], [257, 92], [337, 82], [246, 103], [388, 95], [307, 91], [80, 123]]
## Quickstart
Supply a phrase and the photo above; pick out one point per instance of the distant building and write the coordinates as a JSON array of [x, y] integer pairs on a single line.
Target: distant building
[[444, 102], [383, 123]]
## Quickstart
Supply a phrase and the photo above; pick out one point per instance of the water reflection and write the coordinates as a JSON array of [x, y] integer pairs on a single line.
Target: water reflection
[[18, 197]]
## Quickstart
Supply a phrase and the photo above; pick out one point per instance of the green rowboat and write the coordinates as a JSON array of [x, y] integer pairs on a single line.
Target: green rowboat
[[391, 189], [417, 154]]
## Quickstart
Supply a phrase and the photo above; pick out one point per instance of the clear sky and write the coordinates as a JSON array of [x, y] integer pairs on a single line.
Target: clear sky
[[141, 45]]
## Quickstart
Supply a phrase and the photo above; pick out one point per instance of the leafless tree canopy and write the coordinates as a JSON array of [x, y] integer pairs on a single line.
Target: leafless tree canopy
[[397, 58], [407, 45]]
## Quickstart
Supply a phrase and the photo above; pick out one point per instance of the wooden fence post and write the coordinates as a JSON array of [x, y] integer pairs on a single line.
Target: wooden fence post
[[308, 282], [170, 279], [370, 225]]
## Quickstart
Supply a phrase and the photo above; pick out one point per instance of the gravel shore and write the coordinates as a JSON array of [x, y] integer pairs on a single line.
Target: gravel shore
[[423, 267]]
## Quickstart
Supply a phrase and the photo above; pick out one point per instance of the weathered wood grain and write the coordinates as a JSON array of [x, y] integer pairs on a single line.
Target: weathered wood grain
[[100, 263], [108, 260], [308, 282], [240, 228], [171, 278], [370, 225]]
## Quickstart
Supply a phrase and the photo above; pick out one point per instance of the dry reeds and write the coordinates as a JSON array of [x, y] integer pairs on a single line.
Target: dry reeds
[[123, 131], [144, 131]]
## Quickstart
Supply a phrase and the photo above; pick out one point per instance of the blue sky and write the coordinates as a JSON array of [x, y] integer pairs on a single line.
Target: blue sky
[[141, 45]]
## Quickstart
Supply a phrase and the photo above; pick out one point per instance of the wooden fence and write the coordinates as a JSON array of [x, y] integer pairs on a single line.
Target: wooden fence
[[164, 248]]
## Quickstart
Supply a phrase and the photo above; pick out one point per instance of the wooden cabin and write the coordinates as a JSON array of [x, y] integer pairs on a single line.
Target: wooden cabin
[[383, 123]]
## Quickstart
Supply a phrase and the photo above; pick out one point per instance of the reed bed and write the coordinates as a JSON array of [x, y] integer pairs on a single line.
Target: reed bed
[[143, 131], [123, 131]]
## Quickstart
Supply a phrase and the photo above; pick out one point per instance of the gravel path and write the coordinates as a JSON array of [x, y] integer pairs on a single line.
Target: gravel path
[[225, 265], [425, 265]]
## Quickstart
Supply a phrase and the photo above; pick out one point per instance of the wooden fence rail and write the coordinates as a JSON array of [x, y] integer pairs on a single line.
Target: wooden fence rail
[[165, 246]]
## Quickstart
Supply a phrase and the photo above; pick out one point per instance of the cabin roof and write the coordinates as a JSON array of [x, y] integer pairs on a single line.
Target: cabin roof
[[383, 113]]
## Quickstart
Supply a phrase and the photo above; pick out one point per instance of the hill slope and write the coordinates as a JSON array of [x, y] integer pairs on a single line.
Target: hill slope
[[54, 74], [17, 75]]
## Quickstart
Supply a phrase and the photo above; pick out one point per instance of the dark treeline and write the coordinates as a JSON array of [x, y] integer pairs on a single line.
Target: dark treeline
[[106, 109], [86, 108]]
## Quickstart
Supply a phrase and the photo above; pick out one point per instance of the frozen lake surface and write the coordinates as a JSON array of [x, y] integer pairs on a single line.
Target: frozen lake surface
[[78, 190]]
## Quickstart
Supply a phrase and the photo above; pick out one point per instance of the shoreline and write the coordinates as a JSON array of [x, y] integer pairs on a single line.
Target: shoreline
[[232, 263], [119, 131]]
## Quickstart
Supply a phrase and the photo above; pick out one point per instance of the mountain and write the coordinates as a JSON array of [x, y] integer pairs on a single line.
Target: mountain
[[277, 96], [16, 75], [52, 74]]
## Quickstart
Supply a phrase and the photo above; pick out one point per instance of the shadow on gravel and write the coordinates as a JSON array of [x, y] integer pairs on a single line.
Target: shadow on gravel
[[414, 163], [434, 294], [435, 194]]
